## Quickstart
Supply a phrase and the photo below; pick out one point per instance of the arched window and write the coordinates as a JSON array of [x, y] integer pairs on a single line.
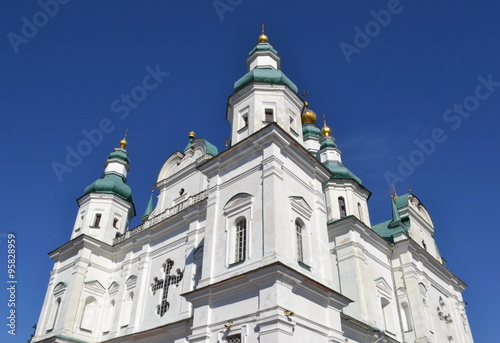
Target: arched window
[[360, 212], [240, 240], [198, 265], [342, 209], [405, 313], [387, 313], [300, 242], [109, 316], [127, 310], [53, 315], [89, 315]]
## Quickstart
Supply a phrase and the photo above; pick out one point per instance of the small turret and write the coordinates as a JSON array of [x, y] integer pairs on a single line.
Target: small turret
[[344, 191], [107, 205], [264, 95]]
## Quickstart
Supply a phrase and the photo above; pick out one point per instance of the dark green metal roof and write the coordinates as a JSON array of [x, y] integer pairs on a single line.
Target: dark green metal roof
[[328, 142], [121, 155], [209, 147], [341, 172], [311, 130], [265, 75], [263, 47], [111, 184]]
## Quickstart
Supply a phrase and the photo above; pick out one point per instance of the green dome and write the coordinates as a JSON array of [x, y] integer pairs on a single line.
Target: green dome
[[328, 142], [263, 47], [121, 155], [210, 149], [311, 130], [111, 184], [265, 75], [341, 172]]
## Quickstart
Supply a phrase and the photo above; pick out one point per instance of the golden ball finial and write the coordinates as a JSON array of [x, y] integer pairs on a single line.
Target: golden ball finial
[[123, 143], [306, 104], [263, 38], [325, 131], [308, 116], [191, 135]]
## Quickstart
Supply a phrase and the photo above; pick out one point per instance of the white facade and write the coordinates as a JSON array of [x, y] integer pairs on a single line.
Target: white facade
[[264, 242]]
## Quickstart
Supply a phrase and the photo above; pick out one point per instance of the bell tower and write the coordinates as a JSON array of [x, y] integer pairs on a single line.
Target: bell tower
[[264, 95]]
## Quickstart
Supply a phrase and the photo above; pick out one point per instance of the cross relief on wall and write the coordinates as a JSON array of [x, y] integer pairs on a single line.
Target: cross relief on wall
[[164, 284]]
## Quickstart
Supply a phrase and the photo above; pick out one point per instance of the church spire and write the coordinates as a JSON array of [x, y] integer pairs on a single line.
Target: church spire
[[149, 207], [396, 218]]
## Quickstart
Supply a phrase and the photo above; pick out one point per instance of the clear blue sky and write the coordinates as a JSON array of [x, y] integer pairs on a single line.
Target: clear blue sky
[[401, 85]]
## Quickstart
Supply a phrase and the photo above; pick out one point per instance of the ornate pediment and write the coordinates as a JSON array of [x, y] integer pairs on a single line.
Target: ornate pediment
[[95, 287], [383, 286], [113, 288], [300, 205]]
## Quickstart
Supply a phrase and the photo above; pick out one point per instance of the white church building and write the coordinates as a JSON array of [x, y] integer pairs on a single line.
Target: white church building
[[268, 241]]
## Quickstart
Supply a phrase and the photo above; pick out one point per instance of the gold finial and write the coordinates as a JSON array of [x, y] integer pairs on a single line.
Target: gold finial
[[191, 135], [325, 131], [304, 94], [409, 189], [226, 142], [153, 188], [263, 38], [308, 115], [123, 142], [395, 194]]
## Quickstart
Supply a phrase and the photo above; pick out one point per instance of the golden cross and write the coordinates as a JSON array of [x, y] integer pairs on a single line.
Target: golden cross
[[126, 131], [263, 26], [304, 94]]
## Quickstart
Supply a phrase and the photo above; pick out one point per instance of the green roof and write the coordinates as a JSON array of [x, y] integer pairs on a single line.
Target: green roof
[[149, 207], [111, 184], [119, 154], [397, 224], [341, 172], [311, 130], [209, 147], [387, 232], [328, 142], [265, 75], [263, 47], [402, 201]]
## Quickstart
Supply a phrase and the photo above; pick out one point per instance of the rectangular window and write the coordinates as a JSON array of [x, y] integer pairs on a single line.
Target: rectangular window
[[97, 220], [234, 339], [269, 115]]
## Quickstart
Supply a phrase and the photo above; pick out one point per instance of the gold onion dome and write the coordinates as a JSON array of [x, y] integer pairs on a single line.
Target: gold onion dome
[[308, 116], [123, 143], [263, 38], [325, 131]]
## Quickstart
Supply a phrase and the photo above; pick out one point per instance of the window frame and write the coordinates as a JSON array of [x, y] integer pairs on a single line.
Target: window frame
[[237, 208]]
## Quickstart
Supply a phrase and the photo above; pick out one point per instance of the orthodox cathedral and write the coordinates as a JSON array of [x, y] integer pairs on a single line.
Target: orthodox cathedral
[[268, 241]]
